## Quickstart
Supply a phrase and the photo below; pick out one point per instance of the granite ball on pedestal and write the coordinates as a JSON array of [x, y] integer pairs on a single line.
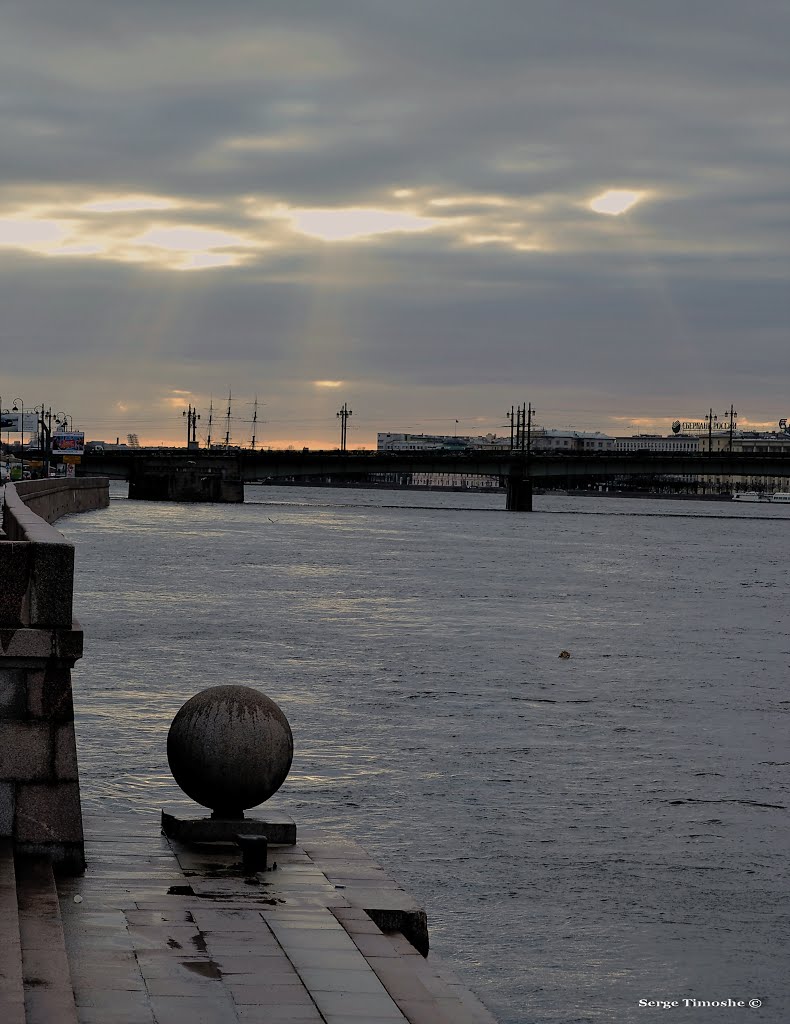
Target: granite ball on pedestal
[[230, 748]]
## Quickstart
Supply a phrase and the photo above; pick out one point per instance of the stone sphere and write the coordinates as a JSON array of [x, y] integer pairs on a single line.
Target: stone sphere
[[230, 748]]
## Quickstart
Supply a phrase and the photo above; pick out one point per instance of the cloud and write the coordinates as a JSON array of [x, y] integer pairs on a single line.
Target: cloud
[[398, 197]]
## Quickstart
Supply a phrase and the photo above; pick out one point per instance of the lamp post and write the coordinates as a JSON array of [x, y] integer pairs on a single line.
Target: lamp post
[[61, 425], [44, 436], [19, 402], [711, 418]]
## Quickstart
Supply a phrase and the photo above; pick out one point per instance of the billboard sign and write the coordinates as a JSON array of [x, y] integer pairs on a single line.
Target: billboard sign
[[701, 426], [68, 444], [12, 422]]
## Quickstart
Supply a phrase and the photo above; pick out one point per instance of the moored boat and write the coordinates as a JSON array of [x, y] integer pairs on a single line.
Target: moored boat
[[751, 496]]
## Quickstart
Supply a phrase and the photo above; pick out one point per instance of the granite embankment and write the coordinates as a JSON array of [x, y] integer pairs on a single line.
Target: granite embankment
[[157, 930]]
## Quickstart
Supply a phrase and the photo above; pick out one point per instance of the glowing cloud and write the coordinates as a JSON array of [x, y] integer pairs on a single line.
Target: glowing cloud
[[615, 201], [342, 224], [268, 143], [328, 383], [129, 204], [207, 261], [188, 239], [471, 200], [36, 235]]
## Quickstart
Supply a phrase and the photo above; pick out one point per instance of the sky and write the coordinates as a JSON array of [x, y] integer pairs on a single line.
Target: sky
[[430, 211]]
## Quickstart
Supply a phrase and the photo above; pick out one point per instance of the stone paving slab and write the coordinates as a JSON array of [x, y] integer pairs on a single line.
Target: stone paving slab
[[174, 934], [12, 999], [45, 967]]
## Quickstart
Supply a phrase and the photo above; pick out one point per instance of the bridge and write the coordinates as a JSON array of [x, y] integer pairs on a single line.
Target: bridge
[[518, 470]]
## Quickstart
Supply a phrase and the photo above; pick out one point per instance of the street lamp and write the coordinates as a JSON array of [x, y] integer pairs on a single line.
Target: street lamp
[[22, 431]]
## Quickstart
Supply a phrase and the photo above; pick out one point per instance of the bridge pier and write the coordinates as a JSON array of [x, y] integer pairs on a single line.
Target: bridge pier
[[168, 479], [519, 493]]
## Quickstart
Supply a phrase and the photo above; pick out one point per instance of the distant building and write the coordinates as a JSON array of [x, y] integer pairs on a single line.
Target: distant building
[[687, 443], [391, 442], [571, 440], [541, 439]]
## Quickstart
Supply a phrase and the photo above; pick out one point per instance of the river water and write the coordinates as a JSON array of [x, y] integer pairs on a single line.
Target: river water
[[584, 832]]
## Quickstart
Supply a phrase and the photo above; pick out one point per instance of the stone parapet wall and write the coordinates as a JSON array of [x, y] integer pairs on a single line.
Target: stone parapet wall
[[39, 644], [39, 783], [51, 499]]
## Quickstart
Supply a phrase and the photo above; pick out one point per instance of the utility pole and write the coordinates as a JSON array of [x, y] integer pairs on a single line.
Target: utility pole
[[227, 420], [254, 422], [192, 417], [510, 416], [210, 421], [17, 403], [344, 413], [733, 414]]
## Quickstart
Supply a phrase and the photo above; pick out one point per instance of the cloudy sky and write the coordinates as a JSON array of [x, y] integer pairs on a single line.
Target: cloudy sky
[[409, 207]]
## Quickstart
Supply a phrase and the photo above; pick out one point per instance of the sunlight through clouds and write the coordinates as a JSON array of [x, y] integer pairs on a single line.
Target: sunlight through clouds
[[345, 224], [130, 204], [36, 235], [615, 201], [185, 238]]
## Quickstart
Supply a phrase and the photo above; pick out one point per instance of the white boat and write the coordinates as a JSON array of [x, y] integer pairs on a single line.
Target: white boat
[[751, 496], [781, 497]]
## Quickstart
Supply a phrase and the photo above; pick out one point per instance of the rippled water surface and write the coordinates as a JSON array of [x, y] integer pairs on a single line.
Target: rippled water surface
[[584, 832]]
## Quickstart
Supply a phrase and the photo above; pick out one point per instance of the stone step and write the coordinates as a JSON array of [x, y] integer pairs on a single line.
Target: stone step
[[49, 995], [424, 988], [12, 997]]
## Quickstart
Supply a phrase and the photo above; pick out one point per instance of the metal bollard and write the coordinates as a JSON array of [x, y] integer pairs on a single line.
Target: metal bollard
[[254, 850]]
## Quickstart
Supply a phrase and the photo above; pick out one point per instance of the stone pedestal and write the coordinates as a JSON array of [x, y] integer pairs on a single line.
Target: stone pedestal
[[278, 828]]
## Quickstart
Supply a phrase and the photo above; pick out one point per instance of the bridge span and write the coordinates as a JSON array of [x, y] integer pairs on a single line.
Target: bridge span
[[518, 470]]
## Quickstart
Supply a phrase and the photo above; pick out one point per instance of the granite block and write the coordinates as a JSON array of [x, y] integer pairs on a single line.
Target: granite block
[[57, 702], [42, 644], [34, 691], [12, 693], [15, 574], [66, 754], [7, 805], [51, 583], [48, 813], [26, 751]]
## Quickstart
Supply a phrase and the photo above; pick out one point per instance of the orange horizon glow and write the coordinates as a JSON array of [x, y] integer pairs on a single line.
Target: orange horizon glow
[[277, 444]]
